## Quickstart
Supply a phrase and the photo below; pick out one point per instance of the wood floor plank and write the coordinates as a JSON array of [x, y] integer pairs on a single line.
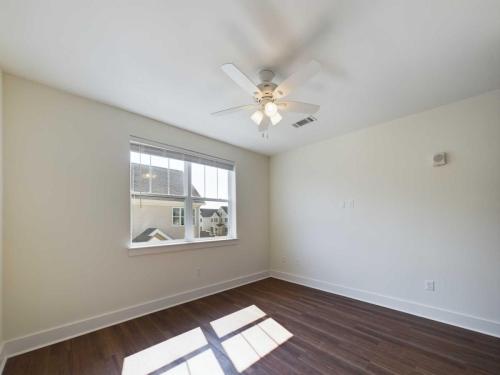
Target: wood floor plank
[[331, 335]]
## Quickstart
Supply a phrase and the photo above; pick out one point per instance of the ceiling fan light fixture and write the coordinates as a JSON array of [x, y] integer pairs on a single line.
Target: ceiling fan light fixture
[[257, 117], [267, 95], [271, 109], [276, 118]]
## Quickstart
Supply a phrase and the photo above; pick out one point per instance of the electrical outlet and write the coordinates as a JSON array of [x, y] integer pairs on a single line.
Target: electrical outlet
[[430, 285], [283, 260], [349, 203], [198, 272]]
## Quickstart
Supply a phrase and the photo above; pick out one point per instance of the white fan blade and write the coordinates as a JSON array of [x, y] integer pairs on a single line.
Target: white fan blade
[[264, 125], [297, 79], [298, 107], [240, 79], [249, 107]]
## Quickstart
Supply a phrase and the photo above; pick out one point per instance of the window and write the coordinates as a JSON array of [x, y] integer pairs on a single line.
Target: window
[[177, 216], [167, 184]]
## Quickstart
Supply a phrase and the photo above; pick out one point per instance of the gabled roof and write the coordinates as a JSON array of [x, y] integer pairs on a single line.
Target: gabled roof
[[208, 212], [149, 234]]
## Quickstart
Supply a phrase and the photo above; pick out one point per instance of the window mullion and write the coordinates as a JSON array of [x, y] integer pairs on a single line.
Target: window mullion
[[232, 204], [150, 176], [188, 210], [168, 176]]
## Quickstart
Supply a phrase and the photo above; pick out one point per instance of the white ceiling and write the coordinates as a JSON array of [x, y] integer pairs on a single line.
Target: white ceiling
[[382, 59]]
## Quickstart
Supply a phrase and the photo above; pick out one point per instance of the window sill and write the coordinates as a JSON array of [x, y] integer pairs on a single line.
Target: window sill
[[135, 249]]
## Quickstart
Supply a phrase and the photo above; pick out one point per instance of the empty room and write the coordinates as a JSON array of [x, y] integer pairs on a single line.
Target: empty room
[[249, 187]]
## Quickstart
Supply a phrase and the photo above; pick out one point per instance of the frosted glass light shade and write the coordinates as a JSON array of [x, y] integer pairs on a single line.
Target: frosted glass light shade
[[257, 117], [276, 118]]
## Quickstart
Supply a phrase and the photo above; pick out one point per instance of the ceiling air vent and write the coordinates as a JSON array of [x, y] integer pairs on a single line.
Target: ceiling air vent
[[303, 122]]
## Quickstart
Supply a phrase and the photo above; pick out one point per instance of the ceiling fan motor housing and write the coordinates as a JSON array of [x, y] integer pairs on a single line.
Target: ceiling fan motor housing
[[266, 75], [266, 87]]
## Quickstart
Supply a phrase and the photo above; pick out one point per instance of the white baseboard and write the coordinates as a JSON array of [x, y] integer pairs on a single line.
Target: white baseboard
[[3, 358], [488, 327], [50, 336]]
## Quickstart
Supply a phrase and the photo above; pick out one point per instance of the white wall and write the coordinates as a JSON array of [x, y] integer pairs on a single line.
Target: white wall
[[410, 221], [67, 212]]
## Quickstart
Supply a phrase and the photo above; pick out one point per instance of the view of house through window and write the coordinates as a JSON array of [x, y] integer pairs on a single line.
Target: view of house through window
[[167, 184]]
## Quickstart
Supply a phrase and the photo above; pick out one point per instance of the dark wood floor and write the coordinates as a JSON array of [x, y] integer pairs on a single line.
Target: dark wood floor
[[332, 335]]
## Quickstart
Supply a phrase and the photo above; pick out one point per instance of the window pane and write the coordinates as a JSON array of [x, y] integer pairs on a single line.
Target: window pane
[[176, 164], [135, 157], [222, 184], [211, 218], [140, 177], [156, 220], [198, 180], [210, 182], [159, 180], [159, 161], [157, 174], [176, 177]]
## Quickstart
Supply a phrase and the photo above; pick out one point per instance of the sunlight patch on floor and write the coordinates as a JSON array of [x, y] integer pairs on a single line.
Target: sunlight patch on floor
[[204, 363], [275, 330], [236, 320], [192, 348], [247, 347], [164, 353]]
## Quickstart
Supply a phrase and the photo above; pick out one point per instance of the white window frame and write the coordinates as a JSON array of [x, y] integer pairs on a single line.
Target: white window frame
[[180, 216], [189, 242]]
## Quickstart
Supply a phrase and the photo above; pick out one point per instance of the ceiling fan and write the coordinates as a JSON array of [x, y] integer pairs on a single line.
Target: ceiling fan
[[268, 95]]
